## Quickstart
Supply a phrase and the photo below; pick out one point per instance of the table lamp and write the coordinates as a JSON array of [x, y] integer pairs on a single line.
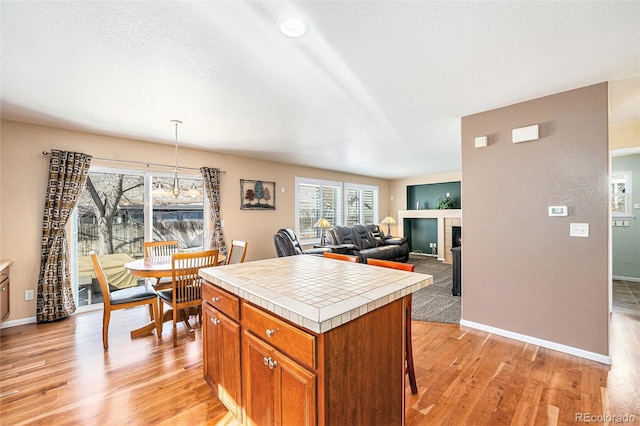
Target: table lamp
[[388, 221], [323, 224]]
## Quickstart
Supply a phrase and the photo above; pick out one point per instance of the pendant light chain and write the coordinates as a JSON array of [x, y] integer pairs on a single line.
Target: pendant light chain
[[176, 185]]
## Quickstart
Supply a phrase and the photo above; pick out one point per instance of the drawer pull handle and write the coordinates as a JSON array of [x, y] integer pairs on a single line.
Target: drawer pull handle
[[4, 289], [216, 299], [270, 363], [270, 332], [215, 321]]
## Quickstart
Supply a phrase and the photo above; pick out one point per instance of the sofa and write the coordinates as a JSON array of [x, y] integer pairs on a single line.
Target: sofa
[[369, 241]]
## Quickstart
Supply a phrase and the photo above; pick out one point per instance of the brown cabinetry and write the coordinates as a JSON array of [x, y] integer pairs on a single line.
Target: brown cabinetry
[[277, 389], [269, 371], [4, 292], [221, 352]]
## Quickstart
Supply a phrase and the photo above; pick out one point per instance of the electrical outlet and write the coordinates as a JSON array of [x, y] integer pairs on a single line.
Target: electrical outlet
[[28, 295]]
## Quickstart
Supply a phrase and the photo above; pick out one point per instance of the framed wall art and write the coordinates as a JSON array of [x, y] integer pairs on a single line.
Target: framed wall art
[[257, 195]]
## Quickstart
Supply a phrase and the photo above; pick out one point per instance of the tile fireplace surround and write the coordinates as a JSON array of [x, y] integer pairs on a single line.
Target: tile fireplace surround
[[446, 220]]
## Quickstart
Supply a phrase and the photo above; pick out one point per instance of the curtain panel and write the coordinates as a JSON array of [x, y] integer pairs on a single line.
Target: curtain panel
[[68, 173], [211, 179]]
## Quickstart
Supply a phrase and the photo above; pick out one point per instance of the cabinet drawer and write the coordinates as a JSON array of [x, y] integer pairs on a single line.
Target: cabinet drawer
[[283, 336], [222, 300]]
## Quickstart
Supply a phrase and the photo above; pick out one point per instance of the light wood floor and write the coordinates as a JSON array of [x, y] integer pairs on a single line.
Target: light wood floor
[[58, 374]]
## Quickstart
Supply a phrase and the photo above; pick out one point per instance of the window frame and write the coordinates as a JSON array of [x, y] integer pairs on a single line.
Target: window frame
[[361, 187], [627, 177], [342, 215]]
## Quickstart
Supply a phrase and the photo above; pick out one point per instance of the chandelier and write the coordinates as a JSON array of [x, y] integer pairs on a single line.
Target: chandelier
[[159, 191]]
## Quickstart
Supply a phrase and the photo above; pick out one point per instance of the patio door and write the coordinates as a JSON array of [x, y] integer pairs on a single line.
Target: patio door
[[118, 211]]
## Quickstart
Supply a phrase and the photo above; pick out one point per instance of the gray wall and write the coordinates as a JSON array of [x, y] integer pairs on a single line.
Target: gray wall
[[626, 240], [522, 272]]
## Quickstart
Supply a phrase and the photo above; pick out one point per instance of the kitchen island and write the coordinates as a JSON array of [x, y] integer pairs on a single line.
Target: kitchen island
[[307, 340]]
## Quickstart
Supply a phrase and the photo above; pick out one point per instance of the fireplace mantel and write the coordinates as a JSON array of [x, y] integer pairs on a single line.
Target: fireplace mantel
[[440, 215]]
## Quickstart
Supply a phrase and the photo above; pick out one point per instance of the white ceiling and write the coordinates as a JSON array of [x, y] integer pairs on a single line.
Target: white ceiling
[[375, 88]]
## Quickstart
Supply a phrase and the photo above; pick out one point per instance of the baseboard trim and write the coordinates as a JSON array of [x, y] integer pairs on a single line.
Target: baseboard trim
[[604, 359], [15, 323], [633, 279]]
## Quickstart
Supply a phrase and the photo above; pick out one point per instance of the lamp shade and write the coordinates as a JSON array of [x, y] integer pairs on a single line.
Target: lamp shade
[[159, 191], [322, 223], [388, 220]]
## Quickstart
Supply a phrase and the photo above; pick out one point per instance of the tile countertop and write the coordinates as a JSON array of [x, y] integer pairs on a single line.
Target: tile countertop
[[315, 292]]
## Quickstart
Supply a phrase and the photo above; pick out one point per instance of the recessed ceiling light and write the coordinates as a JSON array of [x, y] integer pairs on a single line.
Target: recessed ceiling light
[[293, 27]]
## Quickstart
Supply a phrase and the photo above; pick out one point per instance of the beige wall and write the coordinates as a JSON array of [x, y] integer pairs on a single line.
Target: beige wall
[[522, 272], [23, 183], [624, 135]]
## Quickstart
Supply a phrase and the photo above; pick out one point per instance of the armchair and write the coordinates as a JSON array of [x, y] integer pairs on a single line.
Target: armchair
[[287, 244]]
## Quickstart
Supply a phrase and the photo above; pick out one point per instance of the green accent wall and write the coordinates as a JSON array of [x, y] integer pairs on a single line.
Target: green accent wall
[[420, 233], [626, 239], [427, 195]]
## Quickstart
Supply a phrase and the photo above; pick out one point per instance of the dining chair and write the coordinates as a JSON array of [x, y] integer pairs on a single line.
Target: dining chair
[[408, 341], [123, 299], [161, 251], [238, 252], [186, 287], [339, 256]]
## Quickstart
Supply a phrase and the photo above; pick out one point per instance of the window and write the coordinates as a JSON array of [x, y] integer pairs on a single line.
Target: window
[[316, 199], [362, 204], [319, 198], [117, 212], [621, 194]]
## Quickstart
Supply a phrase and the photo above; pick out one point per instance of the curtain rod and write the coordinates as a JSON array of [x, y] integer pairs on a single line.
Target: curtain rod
[[140, 163]]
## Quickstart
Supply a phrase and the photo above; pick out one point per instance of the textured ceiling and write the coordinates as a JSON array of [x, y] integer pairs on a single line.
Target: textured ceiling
[[375, 88]]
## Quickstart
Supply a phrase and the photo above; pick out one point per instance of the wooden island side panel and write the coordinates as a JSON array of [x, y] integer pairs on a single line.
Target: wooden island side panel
[[362, 369]]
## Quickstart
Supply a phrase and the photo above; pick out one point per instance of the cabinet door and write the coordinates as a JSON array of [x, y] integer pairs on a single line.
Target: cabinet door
[[211, 346], [295, 393], [278, 390], [257, 381], [229, 389], [221, 358], [4, 293]]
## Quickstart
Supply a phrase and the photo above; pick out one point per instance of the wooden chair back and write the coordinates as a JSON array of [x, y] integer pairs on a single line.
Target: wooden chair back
[[186, 281], [391, 264], [238, 252], [186, 286], [160, 249], [102, 279], [339, 256]]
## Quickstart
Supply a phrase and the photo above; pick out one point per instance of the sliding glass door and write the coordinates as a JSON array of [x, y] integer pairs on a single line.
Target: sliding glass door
[[118, 211]]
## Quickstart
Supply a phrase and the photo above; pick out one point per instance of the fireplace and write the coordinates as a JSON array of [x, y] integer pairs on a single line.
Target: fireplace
[[456, 236], [452, 236]]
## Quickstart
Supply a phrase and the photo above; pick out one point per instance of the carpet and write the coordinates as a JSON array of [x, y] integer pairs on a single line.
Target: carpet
[[435, 303]]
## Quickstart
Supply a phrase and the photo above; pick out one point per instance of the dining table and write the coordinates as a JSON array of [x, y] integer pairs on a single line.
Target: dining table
[[158, 269]]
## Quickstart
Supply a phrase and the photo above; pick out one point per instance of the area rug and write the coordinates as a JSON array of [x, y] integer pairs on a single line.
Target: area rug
[[435, 303]]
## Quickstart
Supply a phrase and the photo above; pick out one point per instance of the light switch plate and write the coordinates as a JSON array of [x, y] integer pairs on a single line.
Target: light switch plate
[[579, 230]]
